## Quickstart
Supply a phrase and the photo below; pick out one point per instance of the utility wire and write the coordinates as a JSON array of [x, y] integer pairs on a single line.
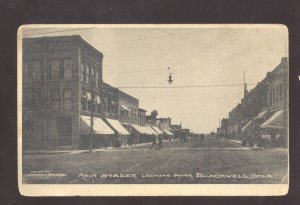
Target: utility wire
[[179, 36], [194, 53], [183, 86]]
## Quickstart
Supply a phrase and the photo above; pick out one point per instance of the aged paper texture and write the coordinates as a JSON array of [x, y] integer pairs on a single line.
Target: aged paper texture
[[153, 110]]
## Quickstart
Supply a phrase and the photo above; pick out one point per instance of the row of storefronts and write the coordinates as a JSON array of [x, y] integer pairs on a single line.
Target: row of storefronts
[[65, 100], [261, 119]]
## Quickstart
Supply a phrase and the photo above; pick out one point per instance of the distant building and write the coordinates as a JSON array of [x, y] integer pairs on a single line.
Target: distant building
[[151, 119], [164, 123], [264, 107], [110, 101], [142, 117], [223, 129], [176, 129], [128, 108]]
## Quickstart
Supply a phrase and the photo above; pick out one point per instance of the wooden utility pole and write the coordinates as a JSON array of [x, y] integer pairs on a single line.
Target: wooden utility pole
[[92, 116]]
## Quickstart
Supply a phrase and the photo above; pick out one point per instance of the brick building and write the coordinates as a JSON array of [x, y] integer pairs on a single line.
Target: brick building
[[128, 108], [268, 98], [62, 79], [142, 117], [110, 100]]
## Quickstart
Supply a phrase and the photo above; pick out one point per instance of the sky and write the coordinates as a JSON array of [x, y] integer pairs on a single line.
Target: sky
[[196, 55]]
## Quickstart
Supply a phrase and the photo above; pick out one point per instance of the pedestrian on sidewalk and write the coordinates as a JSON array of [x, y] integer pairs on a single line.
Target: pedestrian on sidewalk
[[130, 141], [160, 142], [105, 142], [154, 144]]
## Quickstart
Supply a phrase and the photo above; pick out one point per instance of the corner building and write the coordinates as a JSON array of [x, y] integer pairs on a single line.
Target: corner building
[[58, 75]]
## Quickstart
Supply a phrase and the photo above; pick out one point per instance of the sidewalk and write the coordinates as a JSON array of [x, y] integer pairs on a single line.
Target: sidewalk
[[237, 142], [122, 148]]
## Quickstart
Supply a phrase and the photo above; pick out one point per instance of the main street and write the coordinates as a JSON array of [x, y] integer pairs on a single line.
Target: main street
[[205, 161]]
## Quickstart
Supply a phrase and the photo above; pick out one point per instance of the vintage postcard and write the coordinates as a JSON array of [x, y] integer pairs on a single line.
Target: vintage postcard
[[153, 110]]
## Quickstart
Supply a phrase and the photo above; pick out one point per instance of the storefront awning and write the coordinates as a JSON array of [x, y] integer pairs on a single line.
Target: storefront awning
[[156, 129], [261, 115], [168, 132], [124, 107], [247, 126], [275, 121], [100, 127], [139, 129], [117, 126], [150, 131]]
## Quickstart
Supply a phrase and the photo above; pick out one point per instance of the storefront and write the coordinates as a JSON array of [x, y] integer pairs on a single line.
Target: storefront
[[167, 134], [121, 135], [102, 133], [276, 128]]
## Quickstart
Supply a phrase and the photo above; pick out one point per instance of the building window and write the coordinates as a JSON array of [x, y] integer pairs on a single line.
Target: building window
[[54, 98], [87, 73], [280, 93], [273, 96], [82, 71], [96, 78], [36, 70], [54, 70], [68, 69], [26, 72], [92, 77], [27, 98], [68, 99], [64, 135], [277, 94], [37, 96], [83, 100]]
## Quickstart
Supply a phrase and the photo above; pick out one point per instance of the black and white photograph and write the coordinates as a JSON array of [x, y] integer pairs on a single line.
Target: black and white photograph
[[161, 108]]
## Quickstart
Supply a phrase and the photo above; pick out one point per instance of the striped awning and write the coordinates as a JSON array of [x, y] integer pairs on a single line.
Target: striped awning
[[261, 115], [117, 126], [275, 121], [156, 129], [99, 127], [168, 132], [150, 131], [247, 126], [139, 129]]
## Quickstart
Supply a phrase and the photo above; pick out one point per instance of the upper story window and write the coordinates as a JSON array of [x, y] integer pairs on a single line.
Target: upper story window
[[96, 78], [92, 77], [32, 97], [87, 73], [82, 71], [54, 99], [36, 70], [68, 98], [26, 73], [280, 93], [32, 70], [54, 70], [68, 69], [273, 96], [60, 69]]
